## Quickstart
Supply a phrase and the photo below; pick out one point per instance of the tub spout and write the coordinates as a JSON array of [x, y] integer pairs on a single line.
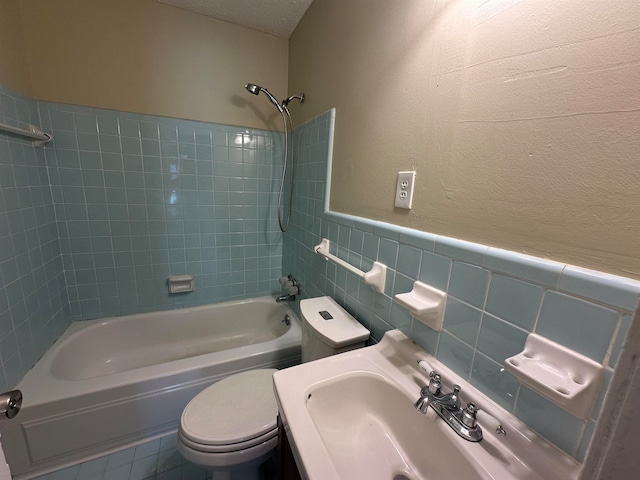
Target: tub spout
[[286, 298]]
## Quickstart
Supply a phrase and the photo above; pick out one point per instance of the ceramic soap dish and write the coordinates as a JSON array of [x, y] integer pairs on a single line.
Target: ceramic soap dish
[[425, 303], [567, 378]]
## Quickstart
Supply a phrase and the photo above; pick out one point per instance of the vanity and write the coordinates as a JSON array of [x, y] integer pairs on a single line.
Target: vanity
[[372, 414]]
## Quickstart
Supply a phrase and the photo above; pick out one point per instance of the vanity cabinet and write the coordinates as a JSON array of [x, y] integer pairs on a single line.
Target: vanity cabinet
[[288, 467]]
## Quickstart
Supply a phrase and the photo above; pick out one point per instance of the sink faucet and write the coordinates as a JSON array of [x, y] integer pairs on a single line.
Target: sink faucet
[[462, 420], [432, 393]]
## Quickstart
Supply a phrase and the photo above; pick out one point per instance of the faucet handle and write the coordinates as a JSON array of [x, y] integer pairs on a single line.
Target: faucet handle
[[426, 368], [469, 418], [486, 419], [435, 385]]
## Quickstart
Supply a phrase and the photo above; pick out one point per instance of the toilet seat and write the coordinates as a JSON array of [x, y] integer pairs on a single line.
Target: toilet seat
[[225, 460], [240, 408], [234, 447], [231, 422]]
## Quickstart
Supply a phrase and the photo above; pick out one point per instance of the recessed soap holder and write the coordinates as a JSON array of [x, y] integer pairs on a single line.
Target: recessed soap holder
[[567, 378], [181, 283], [425, 304]]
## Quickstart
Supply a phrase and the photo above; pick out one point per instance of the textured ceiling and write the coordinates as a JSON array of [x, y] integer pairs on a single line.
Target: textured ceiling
[[277, 17]]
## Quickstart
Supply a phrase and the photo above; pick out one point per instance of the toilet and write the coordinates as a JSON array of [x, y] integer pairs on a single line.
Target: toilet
[[230, 426]]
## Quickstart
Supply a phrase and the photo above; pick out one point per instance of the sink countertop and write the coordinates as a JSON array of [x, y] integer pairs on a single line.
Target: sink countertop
[[351, 416]]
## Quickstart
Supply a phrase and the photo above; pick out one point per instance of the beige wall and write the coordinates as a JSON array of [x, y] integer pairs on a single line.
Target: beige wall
[[146, 57], [14, 67], [522, 119]]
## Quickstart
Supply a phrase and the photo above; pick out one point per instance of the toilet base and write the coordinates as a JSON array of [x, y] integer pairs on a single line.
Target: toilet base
[[240, 465], [264, 468]]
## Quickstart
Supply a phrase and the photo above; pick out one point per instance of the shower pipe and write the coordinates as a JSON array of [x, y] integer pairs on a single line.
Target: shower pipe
[[284, 110]]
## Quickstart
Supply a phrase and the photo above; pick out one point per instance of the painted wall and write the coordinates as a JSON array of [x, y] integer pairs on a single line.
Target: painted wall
[[14, 67], [146, 57], [521, 118]]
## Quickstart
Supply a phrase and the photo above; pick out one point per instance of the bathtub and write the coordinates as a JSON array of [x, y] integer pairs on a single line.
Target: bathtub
[[110, 383]]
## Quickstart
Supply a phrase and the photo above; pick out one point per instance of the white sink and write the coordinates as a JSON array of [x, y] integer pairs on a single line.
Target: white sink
[[351, 416], [368, 431]]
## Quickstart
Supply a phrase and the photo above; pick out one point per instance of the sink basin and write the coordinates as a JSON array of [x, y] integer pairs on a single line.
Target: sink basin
[[369, 432], [351, 417]]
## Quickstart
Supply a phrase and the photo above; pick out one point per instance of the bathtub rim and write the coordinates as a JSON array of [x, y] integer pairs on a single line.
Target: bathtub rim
[[39, 386]]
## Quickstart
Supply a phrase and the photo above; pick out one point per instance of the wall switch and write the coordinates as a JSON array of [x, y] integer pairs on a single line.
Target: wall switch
[[404, 189]]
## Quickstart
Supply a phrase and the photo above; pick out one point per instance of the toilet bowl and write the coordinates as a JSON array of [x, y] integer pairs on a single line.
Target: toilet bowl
[[231, 425]]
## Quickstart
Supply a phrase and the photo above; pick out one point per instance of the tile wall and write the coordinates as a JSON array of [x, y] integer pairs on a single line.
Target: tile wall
[[139, 198], [33, 301], [495, 297], [157, 459]]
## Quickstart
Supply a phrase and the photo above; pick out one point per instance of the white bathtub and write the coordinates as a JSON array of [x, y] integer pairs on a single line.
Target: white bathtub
[[109, 383]]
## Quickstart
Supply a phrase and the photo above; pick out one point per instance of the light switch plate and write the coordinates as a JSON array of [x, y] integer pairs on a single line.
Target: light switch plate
[[404, 189]]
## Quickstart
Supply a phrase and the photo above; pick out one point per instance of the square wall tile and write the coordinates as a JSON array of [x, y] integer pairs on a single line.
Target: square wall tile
[[426, 337], [409, 260], [455, 354], [469, 283], [462, 320], [582, 326], [435, 270], [493, 380], [515, 301], [500, 340], [388, 252], [549, 420]]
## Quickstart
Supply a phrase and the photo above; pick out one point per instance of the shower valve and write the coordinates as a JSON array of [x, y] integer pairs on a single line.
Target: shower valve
[[292, 287]]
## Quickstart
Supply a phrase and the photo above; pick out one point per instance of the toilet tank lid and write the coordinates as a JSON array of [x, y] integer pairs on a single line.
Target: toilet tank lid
[[331, 322]]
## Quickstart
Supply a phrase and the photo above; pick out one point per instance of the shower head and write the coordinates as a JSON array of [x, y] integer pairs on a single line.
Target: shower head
[[256, 89]]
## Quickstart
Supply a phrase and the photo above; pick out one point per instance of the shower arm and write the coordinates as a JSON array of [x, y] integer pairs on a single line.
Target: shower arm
[[286, 102], [292, 97]]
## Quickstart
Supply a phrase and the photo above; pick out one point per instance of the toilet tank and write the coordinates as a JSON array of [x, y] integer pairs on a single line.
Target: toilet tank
[[328, 329]]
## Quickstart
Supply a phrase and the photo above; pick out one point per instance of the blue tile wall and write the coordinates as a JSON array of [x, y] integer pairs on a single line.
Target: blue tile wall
[[495, 297], [157, 459], [139, 198], [33, 303]]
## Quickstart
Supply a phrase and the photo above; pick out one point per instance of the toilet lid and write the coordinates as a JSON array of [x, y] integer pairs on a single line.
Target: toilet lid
[[235, 409]]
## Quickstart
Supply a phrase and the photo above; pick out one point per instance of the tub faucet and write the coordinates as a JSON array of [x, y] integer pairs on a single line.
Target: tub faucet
[[292, 286], [286, 298]]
